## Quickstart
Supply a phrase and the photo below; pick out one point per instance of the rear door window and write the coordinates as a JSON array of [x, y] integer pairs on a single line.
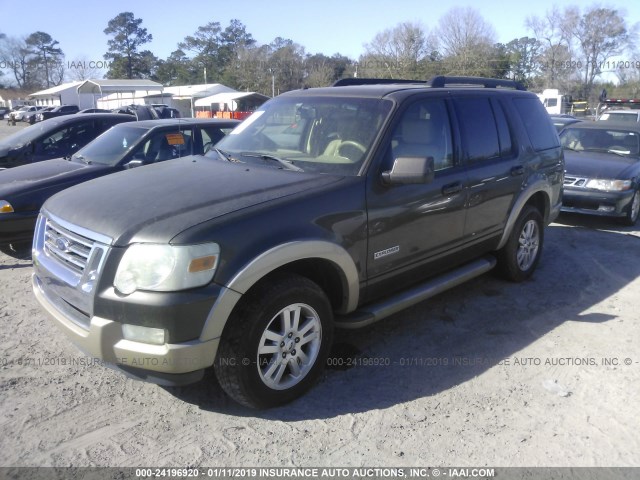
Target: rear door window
[[478, 128]]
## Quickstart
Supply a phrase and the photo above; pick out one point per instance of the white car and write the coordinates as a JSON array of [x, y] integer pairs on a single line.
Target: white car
[[620, 116], [18, 114]]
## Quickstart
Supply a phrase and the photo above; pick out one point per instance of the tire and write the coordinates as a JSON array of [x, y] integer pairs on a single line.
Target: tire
[[292, 354], [20, 251], [631, 217], [518, 259]]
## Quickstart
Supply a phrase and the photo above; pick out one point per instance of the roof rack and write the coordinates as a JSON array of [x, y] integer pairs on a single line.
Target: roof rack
[[345, 82], [442, 81], [439, 81]]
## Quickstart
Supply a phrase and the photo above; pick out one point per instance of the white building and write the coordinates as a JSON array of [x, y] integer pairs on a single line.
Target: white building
[[65, 94], [109, 94]]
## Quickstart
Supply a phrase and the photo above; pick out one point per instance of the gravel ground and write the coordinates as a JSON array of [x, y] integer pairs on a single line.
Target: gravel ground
[[544, 373]]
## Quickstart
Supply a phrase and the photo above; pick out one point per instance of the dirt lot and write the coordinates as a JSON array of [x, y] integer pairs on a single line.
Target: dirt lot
[[544, 373]]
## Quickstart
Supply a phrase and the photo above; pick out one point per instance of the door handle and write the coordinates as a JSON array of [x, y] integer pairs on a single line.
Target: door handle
[[519, 170], [452, 188]]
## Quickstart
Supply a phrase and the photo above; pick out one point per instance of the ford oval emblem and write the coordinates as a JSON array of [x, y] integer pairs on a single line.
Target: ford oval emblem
[[63, 244]]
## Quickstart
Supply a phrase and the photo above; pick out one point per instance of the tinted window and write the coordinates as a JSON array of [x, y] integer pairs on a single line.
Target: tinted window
[[537, 123], [504, 134], [165, 145], [478, 127], [424, 131]]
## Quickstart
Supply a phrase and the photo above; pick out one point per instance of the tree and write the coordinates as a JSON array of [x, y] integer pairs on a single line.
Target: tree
[[81, 68], [599, 34], [554, 57], [128, 36], [16, 56], [523, 58], [467, 42], [48, 55], [175, 70], [400, 52]]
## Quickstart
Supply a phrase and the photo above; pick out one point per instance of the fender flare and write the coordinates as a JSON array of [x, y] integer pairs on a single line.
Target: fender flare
[[540, 185], [273, 259]]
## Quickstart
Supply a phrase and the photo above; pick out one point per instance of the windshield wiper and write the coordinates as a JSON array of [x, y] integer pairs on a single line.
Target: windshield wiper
[[224, 155], [619, 153], [288, 164]]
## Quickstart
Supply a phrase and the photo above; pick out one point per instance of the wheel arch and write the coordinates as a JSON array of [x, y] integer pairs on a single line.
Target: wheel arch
[[327, 264], [538, 195]]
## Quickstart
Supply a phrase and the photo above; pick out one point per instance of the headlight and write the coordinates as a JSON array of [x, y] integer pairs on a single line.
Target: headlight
[[166, 268], [5, 207], [609, 185]]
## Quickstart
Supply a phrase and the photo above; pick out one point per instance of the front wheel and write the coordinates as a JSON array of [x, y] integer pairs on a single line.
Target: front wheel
[[518, 259], [20, 251], [633, 210], [276, 342]]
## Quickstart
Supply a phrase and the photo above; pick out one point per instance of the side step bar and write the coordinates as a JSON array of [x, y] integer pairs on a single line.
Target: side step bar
[[377, 311]]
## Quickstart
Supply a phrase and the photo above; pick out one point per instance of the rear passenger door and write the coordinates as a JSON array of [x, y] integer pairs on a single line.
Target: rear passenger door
[[494, 169]]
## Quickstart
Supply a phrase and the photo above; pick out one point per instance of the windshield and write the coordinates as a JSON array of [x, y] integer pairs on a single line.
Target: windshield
[[619, 117], [312, 134], [589, 139], [28, 134], [112, 146]]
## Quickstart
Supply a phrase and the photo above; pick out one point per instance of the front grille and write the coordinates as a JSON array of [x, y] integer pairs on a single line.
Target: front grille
[[68, 248], [570, 181]]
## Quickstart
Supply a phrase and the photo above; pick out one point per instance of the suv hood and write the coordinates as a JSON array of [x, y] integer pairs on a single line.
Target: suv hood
[[597, 165], [157, 202]]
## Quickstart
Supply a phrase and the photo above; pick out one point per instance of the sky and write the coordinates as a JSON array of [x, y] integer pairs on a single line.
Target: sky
[[327, 26]]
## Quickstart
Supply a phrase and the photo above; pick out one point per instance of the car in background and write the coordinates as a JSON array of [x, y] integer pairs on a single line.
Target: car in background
[[95, 110], [602, 176], [54, 138], [632, 116], [20, 113], [58, 111], [561, 121], [24, 189], [30, 117]]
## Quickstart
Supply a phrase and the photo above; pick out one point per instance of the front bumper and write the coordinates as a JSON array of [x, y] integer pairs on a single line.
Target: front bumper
[[174, 363], [596, 202], [17, 227]]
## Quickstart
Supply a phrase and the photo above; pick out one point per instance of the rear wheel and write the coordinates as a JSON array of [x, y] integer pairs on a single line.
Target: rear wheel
[[518, 259], [276, 342], [631, 217]]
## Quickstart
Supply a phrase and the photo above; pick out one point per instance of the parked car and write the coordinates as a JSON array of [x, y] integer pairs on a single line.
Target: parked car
[[58, 111], [327, 207], [561, 121], [24, 189], [30, 117], [602, 169], [20, 113], [632, 116], [53, 138], [9, 115], [95, 110]]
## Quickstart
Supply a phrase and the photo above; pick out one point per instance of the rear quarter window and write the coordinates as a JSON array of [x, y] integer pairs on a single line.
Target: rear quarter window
[[540, 130]]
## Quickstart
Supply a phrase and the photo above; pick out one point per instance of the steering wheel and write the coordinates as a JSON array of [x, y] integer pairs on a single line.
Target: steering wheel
[[351, 150]]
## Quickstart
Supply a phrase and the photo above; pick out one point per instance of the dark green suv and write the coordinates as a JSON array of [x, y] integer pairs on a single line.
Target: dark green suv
[[330, 207]]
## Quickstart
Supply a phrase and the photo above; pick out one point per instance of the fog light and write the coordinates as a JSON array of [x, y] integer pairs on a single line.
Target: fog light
[[606, 208], [136, 333]]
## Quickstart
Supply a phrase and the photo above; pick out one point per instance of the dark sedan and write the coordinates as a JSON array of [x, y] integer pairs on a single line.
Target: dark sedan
[[562, 121], [24, 189], [602, 176], [58, 111], [54, 138]]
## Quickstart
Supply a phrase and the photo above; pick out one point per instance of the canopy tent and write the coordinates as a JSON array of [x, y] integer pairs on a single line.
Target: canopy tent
[[232, 101]]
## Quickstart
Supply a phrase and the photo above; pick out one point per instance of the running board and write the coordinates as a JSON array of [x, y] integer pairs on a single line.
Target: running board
[[377, 311]]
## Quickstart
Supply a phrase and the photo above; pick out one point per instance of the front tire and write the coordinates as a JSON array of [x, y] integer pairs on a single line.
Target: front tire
[[276, 342], [19, 251], [518, 259], [632, 211]]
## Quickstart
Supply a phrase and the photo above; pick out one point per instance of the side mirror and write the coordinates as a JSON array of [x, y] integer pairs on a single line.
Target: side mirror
[[410, 170], [133, 164]]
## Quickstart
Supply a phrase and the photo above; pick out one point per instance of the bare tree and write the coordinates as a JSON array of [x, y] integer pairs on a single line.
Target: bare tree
[[599, 34], [398, 52], [554, 59], [466, 41], [81, 69]]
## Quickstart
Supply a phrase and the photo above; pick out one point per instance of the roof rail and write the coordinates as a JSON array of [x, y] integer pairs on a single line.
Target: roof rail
[[344, 82], [442, 81]]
